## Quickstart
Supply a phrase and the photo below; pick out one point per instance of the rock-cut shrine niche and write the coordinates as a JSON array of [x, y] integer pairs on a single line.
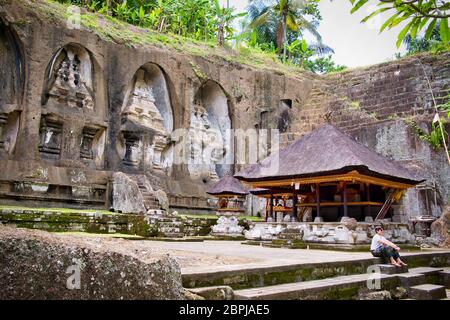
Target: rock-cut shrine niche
[[11, 88], [74, 99], [50, 133], [147, 121], [209, 134], [69, 80], [92, 145]]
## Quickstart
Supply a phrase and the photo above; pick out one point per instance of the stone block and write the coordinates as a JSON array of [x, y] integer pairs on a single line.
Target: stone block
[[444, 278], [411, 279], [427, 292], [391, 269]]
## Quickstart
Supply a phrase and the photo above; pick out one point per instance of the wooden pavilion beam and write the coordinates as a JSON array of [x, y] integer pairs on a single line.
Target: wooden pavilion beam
[[353, 176]]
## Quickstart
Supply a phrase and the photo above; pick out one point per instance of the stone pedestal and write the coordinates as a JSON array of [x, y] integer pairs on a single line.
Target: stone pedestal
[[318, 219], [227, 226]]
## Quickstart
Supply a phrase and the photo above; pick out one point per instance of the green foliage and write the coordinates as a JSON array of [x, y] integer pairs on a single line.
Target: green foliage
[[282, 21], [420, 15], [434, 137], [207, 21], [323, 65], [278, 27], [418, 44], [197, 19]]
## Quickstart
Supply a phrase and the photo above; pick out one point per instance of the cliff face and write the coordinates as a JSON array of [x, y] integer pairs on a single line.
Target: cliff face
[[82, 103]]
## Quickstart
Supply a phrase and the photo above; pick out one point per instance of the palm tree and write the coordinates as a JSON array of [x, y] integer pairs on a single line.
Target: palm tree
[[279, 16], [225, 17]]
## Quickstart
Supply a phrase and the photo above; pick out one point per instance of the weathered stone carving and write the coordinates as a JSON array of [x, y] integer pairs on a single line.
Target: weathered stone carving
[[87, 138], [132, 149], [143, 113], [205, 146], [50, 138], [69, 86], [142, 108]]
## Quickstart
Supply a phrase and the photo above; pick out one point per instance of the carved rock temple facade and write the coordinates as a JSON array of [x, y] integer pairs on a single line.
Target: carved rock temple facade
[[84, 122]]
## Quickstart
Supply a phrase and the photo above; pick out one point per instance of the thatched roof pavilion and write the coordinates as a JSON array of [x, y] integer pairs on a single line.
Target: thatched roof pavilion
[[228, 185], [326, 158], [231, 194]]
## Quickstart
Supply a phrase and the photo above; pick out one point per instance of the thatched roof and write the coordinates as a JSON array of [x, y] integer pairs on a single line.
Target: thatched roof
[[326, 151], [228, 185]]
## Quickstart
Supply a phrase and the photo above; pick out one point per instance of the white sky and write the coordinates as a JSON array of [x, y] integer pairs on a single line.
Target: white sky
[[354, 44]]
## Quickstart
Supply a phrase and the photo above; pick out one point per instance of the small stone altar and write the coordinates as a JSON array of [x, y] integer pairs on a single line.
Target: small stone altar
[[231, 202], [227, 226]]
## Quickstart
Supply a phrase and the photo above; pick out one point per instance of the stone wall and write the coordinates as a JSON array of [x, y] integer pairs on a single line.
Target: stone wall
[[109, 223], [79, 107]]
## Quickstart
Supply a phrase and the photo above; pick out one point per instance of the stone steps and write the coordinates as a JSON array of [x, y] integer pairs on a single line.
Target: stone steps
[[428, 292], [348, 286], [420, 283], [321, 289], [330, 288], [427, 271], [268, 274], [150, 202], [409, 280]]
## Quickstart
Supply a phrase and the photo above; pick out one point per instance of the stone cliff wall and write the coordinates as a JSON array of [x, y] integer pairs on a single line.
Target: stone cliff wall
[[79, 107]]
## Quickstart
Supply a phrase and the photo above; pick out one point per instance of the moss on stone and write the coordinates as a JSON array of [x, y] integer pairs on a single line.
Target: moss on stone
[[346, 293]]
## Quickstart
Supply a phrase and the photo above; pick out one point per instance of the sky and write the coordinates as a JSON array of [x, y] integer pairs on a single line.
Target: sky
[[354, 44]]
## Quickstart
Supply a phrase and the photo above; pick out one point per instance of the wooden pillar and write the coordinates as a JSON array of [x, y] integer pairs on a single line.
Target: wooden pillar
[[344, 197], [294, 203], [271, 204], [368, 199], [318, 200]]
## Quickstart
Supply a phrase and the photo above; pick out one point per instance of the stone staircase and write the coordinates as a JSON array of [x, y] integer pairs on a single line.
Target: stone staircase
[[150, 201], [416, 281], [421, 283]]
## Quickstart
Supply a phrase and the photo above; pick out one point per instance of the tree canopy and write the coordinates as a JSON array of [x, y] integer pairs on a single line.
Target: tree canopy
[[419, 15]]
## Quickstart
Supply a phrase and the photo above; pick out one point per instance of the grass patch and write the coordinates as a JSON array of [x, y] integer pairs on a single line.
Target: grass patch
[[62, 210]]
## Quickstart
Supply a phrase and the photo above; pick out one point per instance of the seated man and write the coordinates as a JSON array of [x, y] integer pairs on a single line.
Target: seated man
[[381, 247]]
